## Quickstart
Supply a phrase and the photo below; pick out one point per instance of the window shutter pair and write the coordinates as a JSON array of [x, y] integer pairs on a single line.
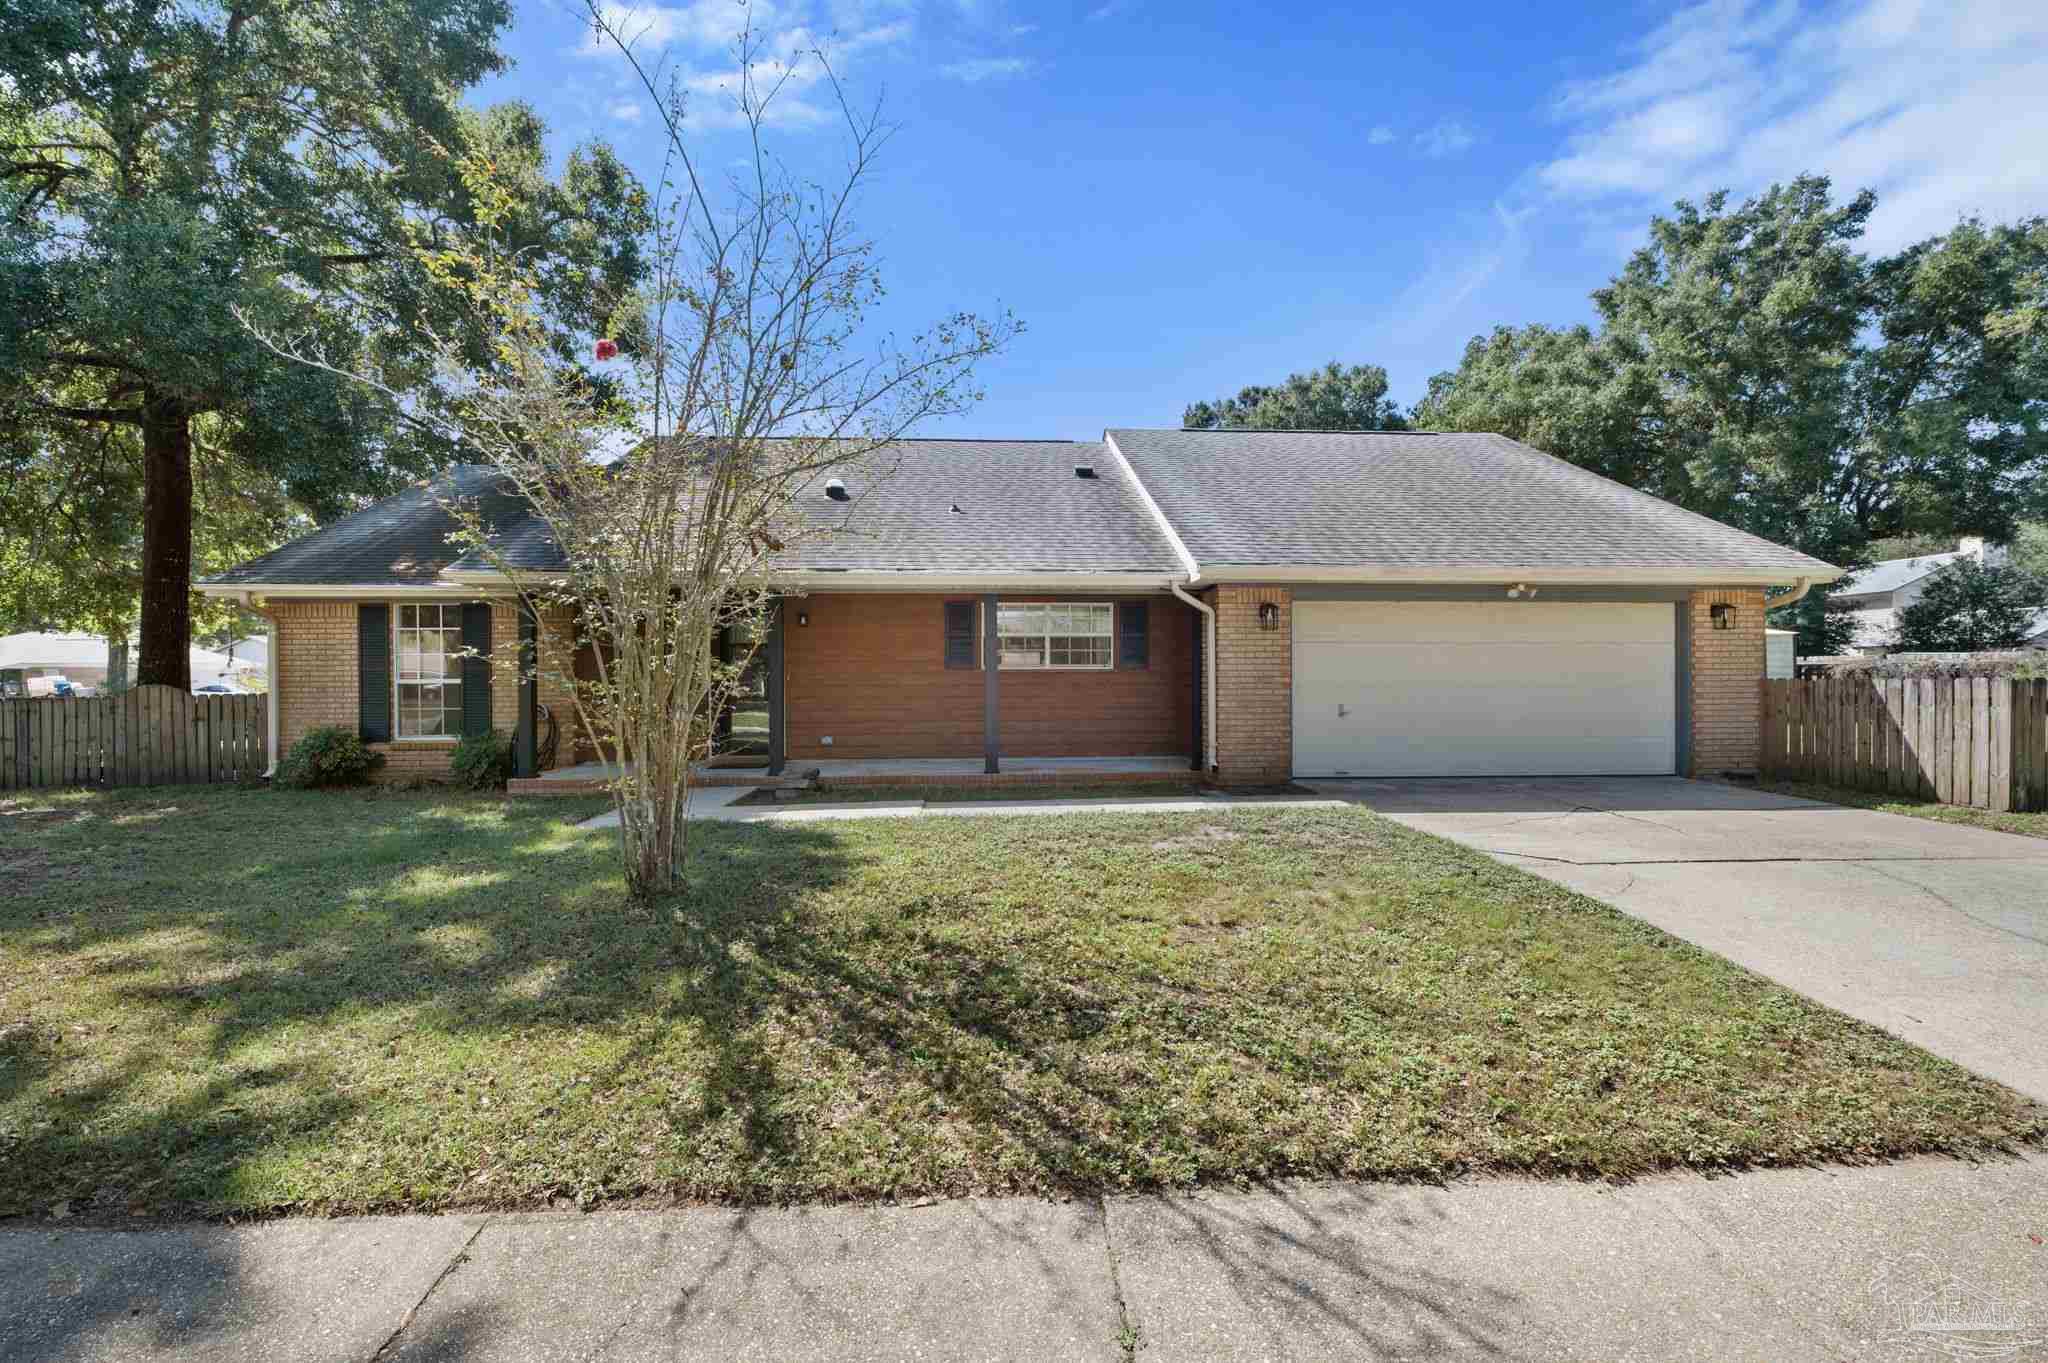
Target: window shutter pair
[[1133, 640], [373, 671]]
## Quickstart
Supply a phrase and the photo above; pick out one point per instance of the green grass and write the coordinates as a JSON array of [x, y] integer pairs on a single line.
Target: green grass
[[2032, 825], [944, 795], [226, 1001]]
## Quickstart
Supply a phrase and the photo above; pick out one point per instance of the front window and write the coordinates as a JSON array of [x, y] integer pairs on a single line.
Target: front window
[[1058, 634], [429, 672]]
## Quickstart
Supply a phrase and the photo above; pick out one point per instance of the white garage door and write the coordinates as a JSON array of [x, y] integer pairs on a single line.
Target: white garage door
[[1470, 688]]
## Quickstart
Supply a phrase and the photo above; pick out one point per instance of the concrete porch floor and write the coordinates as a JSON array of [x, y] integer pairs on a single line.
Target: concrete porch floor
[[915, 771]]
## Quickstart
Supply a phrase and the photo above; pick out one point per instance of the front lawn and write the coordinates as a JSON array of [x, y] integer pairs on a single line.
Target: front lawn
[[2032, 824], [238, 1001]]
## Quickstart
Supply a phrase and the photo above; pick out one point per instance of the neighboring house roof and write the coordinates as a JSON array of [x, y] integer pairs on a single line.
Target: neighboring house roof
[[2037, 632], [1420, 500], [401, 541], [1885, 577]]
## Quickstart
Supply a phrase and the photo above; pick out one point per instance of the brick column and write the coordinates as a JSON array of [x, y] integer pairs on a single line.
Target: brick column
[[1254, 685], [1727, 670]]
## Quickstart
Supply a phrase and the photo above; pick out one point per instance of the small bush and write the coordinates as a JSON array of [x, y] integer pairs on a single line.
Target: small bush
[[331, 756], [482, 761]]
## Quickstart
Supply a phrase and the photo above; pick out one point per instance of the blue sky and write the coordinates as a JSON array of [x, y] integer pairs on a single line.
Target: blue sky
[[1181, 198]]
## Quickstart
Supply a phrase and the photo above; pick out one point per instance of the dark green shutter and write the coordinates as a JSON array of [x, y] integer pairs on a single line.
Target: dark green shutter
[[373, 673], [1133, 642], [476, 669], [960, 634]]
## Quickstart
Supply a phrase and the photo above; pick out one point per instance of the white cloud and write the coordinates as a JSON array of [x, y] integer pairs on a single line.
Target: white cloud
[[1022, 30], [1446, 138], [699, 40], [978, 69], [1109, 9], [624, 111], [1380, 135], [1938, 105]]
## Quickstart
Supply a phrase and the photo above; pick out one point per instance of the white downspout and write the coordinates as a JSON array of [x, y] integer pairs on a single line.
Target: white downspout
[[271, 703], [1208, 675], [1800, 587]]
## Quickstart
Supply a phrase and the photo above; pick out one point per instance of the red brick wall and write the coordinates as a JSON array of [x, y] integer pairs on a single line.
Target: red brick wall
[[870, 670], [1726, 683]]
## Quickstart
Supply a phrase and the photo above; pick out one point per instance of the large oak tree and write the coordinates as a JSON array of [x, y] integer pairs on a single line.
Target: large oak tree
[[179, 175], [1751, 363]]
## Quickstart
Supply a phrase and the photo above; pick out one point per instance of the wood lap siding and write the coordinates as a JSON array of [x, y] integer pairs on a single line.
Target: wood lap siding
[[870, 670]]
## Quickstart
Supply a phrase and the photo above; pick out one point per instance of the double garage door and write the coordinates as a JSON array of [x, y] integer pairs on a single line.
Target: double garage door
[[1469, 688]]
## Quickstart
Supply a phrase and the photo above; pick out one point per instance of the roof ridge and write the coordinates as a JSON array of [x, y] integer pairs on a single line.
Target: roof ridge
[[1279, 430]]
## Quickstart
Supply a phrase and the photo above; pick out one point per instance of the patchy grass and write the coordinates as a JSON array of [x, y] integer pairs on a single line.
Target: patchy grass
[[2032, 825], [245, 1001], [945, 795]]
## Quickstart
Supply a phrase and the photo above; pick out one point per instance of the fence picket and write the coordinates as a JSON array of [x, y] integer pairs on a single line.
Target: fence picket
[[150, 735]]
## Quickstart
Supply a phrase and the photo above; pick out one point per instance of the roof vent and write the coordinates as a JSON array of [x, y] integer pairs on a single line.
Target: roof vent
[[1084, 470], [836, 490]]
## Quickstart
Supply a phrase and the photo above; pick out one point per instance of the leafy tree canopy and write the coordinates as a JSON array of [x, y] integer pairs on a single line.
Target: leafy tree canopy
[[1750, 363], [179, 175], [1333, 398], [1966, 608]]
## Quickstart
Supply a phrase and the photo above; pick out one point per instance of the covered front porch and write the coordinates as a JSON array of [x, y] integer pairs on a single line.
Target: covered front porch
[[585, 777]]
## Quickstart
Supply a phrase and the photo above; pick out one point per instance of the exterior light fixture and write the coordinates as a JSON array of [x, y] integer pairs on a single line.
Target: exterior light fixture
[[1723, 615], [803, 618], [1269, 615]]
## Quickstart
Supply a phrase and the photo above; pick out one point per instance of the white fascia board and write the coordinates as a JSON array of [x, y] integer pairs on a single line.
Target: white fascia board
[[1280, 573], [362, 591], [885, 580], [1194, 570]]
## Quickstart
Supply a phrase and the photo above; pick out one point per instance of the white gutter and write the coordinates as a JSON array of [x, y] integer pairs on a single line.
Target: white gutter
[[1704, 576], [1800, 587]]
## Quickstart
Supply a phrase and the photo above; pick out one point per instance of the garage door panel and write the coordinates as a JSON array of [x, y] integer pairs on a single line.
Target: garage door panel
[[1432, 689]]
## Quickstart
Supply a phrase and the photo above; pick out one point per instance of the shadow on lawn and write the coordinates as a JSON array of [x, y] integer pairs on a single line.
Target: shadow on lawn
[[462, 925]]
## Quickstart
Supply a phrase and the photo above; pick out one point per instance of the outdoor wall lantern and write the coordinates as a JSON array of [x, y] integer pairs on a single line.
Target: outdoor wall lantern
[[803, 618], [1723, 615], [1269, 615]]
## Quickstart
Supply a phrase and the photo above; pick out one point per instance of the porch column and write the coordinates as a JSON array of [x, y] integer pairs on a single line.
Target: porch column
[[991, 659], [525, 738], [773, 649]]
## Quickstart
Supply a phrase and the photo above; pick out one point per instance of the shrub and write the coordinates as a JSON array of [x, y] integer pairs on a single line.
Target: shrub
[[482, 761], [330, 756]]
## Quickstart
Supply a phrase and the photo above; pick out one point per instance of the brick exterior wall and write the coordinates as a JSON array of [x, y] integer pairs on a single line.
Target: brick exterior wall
[[1727, 667], [870, 670], [1254, 685], [317, 682]]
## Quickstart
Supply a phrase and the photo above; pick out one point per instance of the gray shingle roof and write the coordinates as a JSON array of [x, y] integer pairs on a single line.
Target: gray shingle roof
[[1419, 500], [401, 541], [1020, 508]]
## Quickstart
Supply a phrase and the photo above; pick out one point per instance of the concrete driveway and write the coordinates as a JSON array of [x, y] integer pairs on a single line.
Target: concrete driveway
[[1935, 932]]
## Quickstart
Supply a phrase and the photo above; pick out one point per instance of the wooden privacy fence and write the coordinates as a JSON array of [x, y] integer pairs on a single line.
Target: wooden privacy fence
[[1979, 741], [150, 736]]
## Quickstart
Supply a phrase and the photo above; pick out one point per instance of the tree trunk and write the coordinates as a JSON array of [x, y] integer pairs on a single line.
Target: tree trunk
[[166, 545], [117, 661]]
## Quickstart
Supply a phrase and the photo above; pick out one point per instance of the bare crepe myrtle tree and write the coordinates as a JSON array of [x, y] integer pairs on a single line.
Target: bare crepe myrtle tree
[[670, 496]]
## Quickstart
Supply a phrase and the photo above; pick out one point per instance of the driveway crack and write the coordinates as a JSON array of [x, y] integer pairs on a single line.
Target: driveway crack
[[389, 1348], [1956, 908], [1128, 1340]]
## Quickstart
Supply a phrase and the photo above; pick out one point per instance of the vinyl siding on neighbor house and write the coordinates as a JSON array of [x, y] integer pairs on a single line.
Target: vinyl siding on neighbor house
[[869, 670]]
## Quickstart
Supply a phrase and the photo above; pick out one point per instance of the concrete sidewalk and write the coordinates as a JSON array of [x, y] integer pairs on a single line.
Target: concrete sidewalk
[[1779, 1265]]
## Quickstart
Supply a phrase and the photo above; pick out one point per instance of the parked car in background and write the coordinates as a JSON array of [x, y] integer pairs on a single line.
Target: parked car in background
[[220, 689], [45, 687]]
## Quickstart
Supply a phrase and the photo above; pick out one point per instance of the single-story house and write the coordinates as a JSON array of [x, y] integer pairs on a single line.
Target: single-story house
[[1875, 596], [1249, 604]]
